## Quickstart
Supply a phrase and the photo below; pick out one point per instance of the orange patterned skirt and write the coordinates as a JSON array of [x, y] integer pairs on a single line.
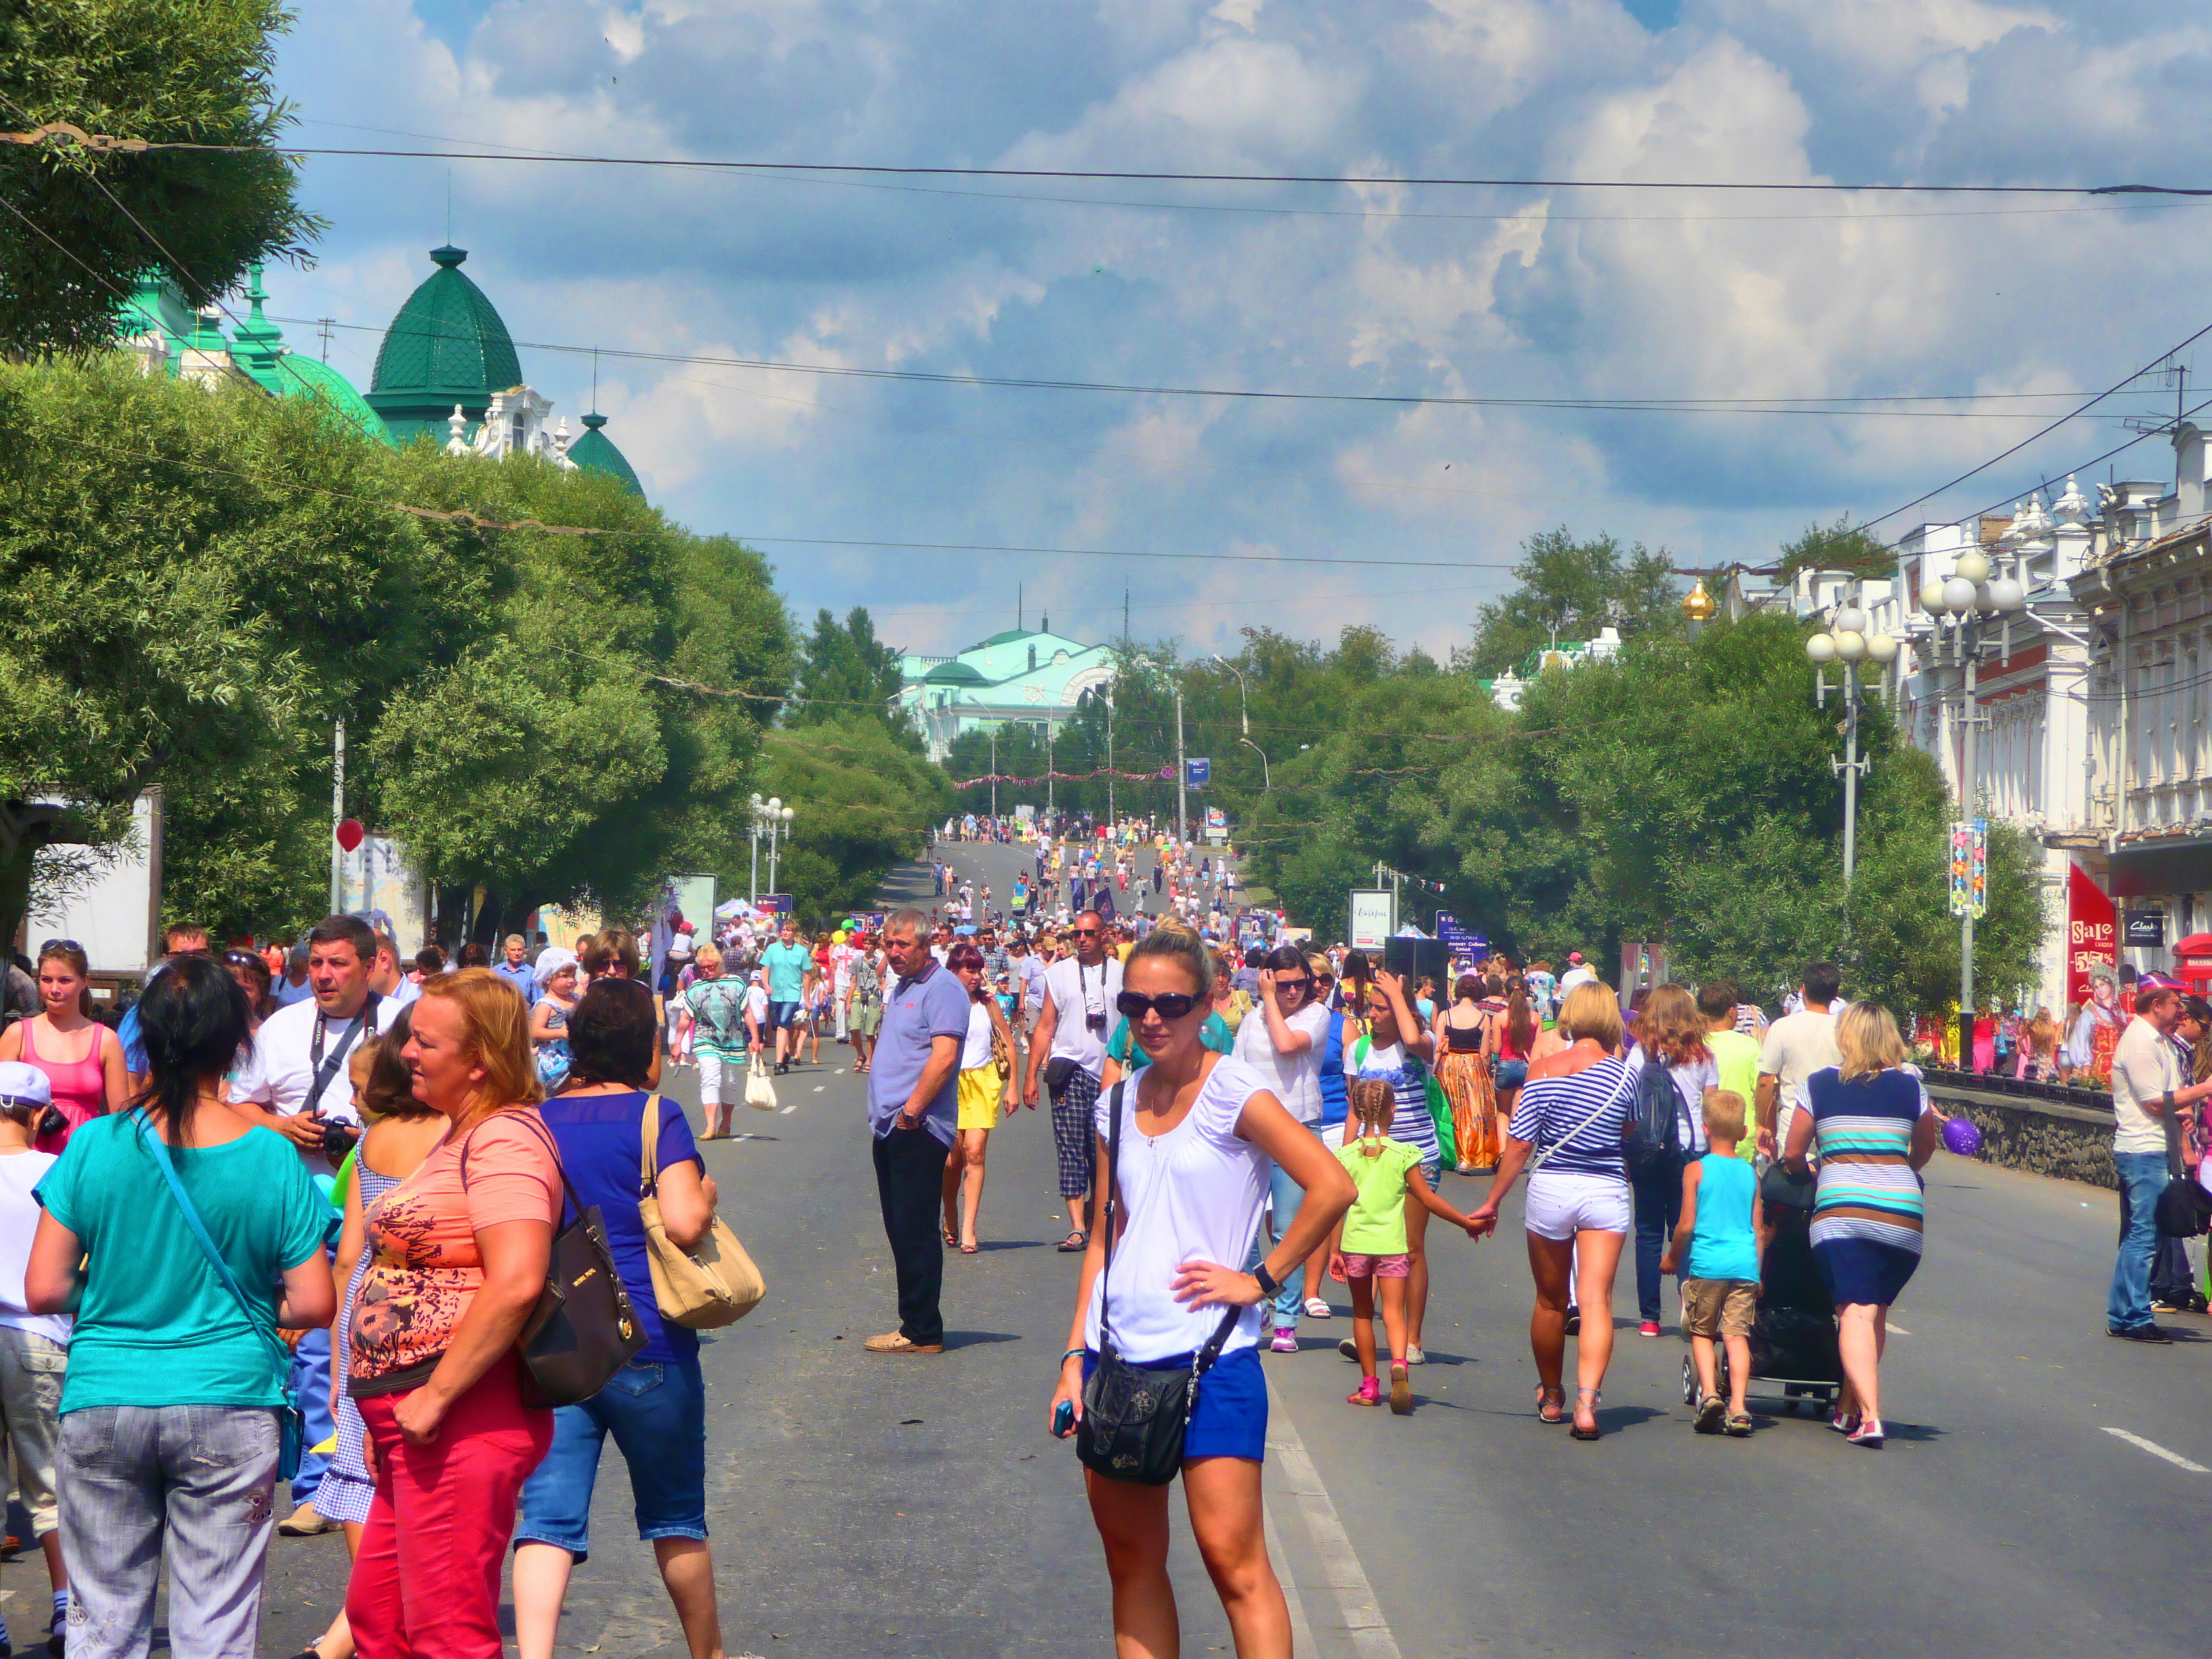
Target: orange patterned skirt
[[1465, 1079]]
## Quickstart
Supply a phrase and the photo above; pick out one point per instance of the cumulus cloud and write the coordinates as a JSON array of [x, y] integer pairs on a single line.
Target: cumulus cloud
[[1373, 292]]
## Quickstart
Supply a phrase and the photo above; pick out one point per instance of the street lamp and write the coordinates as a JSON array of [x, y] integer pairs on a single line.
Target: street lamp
[[1966, 600], [773, 818], [1849, 639], [1244, 721]]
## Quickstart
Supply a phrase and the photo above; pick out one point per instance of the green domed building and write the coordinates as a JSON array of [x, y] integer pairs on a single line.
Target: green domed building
[[447, 346]]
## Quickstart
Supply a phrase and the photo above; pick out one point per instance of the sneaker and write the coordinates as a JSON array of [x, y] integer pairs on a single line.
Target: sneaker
[[1401, 1392], [306, 1521], [1648, 1328], [2160, 1305], [1349, 1349], [897, 1342], [1574, 1322], [1285, 1340], [1369, 1393], [2149, 1334], [1415, 1356], [1868, 1434], [1317, 1309]]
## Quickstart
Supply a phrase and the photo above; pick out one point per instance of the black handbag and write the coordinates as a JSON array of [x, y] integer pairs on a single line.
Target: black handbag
[[1135, 1416], [583, 1330], [2183, 1210]]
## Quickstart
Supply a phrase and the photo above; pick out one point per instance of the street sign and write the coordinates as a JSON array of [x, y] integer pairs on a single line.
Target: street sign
[[777, 903], [2143, 929], [1198, 772], [1471, 946], [1373, 918], [1970, 868]]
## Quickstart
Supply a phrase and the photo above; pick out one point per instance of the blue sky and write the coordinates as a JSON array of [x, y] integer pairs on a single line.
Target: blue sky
[[1494, 293]]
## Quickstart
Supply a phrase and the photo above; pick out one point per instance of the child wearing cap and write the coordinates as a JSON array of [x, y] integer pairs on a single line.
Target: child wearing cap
[[33, 1347]]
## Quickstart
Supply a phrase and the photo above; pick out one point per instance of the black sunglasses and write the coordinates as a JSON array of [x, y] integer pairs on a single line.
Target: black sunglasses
[[61, 944], [1169, 1005], [1302, 982]]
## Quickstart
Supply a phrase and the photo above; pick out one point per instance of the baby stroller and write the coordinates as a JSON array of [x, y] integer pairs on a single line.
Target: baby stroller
[[1794, 1354]]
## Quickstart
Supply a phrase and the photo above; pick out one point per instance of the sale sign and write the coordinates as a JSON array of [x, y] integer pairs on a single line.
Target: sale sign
[[2092, 935]]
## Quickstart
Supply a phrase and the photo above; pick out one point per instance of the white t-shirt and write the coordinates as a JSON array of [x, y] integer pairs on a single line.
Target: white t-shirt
[[1294, 1079], [1076, 990], [408, 991], [2144, 1066], [1581, 973], [1797, 1045], [756, 1002], [1691, 1083], [280, 1067], [976, 1050], [19, 1220], [287, 993], [1192, 1195]]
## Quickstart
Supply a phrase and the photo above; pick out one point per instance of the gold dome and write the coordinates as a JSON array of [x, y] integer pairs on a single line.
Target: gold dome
[[1698, 605]]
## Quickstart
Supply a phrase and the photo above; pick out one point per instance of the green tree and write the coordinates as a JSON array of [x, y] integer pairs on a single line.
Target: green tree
[[1569, 590], [198, 582], [845, 668], [163, 71], [1842, 546], [862, 801]]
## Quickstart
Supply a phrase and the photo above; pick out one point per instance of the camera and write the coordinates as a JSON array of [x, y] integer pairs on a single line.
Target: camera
[[338, 1138], [51, 1122], [1095, 1022]]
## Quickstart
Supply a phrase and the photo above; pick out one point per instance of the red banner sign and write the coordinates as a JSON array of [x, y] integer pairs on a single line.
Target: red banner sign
[[2092, 935]]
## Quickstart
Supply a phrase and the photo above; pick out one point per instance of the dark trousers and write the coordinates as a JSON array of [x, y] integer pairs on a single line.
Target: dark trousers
[[1657, 1185], [910, 1186]]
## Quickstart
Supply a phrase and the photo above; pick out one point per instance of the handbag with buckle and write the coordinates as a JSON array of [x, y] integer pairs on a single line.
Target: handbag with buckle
[[701, 1287], [1135, 1416]]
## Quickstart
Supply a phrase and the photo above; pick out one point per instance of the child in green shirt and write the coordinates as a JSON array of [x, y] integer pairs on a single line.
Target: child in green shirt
[[1370, 1244]]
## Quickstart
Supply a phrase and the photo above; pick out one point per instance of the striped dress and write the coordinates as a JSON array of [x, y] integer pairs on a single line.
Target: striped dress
[[1862, 1130], [347, 1489]]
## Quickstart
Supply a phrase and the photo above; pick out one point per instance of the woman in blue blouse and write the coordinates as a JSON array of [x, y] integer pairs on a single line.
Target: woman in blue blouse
[[1874, 1131]]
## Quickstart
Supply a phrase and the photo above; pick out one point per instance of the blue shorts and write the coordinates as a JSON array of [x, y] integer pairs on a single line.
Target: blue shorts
[[1230, 1417], [656, 1409], [782, 1015]]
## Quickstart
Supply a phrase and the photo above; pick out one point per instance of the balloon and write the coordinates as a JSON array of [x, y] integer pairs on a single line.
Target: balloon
[[351, 835], [1962, 1135]]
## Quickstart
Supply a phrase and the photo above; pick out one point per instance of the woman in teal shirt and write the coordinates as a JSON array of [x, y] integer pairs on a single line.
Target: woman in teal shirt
[[169, 1433]]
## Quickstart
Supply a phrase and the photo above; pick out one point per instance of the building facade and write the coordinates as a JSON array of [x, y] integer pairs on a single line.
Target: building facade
[[1026, 677]]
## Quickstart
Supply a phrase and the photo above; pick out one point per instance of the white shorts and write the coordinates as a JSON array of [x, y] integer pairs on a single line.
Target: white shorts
[[1560, 1206]]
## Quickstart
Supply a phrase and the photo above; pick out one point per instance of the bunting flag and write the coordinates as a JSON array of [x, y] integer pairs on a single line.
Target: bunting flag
[[1165, 775]]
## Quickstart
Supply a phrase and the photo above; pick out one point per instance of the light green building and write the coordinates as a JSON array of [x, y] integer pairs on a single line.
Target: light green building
[[446, 370], [1025, 676]]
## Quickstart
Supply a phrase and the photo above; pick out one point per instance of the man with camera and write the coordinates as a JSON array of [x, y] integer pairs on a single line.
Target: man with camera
[[1069, 1048], [297, 1077]]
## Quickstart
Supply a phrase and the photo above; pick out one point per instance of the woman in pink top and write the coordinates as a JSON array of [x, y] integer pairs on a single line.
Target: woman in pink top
[[81, 1058]]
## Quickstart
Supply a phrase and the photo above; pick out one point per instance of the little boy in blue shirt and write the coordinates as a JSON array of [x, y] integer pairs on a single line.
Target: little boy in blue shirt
[[1715, 1249]]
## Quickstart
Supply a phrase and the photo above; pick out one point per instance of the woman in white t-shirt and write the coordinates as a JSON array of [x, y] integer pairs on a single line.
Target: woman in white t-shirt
[[986, 1087], [1282, 1039], [1198, 1131]]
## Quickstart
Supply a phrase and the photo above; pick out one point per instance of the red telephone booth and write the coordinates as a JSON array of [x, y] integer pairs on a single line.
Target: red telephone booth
[[2192, 962]]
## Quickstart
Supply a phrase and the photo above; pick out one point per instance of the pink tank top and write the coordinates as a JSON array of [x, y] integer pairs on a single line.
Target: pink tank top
[[80, 1086]]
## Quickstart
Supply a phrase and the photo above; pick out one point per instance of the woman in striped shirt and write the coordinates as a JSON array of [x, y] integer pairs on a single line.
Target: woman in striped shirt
[[1870, 1120], [1575, 1106]]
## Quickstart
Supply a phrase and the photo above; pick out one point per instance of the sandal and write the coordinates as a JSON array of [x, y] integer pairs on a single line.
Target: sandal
[[1074, 1241], [1593, 1432], [969, 1250], [1551, 1396], [952, 1239], [1710, 1411], [1739, 1425]]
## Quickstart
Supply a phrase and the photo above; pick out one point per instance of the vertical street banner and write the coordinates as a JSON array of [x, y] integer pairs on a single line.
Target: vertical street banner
[[1373, 917], [1970, 868], [2092, 935]]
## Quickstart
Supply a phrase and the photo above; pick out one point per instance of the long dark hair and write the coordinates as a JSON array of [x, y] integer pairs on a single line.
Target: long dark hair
[[193, 1019], [1520, 1018]]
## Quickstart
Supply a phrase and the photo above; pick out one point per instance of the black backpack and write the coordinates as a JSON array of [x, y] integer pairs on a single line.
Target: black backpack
[[1655, 1128]]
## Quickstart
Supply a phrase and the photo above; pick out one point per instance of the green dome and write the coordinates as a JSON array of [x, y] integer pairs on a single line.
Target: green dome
[[447, 346], [298, 376], [596, 451]]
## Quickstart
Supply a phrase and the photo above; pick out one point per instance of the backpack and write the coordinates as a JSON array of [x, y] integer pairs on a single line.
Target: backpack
[[1655, 1128]]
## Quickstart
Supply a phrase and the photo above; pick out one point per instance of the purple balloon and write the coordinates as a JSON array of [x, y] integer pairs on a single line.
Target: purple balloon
[[1962, 1135]]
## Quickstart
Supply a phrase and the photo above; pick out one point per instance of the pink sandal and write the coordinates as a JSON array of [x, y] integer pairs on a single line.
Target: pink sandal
[[1369, 1393]]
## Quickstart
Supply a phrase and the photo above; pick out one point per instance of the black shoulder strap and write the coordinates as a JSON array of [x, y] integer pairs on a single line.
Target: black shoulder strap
[[1113, 1216]]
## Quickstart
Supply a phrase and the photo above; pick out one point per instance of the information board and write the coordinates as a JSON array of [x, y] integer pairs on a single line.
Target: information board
[[1373, 918]]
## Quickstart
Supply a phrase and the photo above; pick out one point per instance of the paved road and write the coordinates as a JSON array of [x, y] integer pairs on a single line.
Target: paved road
[[868, 1506]]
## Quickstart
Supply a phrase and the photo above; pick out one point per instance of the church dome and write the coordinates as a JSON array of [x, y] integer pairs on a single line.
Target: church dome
[[597, 452], [447, 346]]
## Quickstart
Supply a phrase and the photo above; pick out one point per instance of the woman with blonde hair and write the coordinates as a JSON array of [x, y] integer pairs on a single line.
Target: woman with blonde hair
[[1669, 1032], [1573, 1114], [461, 1249], [2038, 1050], [1870, 1119]]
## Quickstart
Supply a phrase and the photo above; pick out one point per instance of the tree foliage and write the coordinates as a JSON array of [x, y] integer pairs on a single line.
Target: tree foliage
[[1842, 546], [863, 801], [1568, 591], [844, 669], [171, 71]]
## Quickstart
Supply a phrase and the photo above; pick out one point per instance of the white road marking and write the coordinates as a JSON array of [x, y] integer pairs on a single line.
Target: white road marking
[[2157, 1451], [1355, 1596], [1301, 1639], [817, 1088], [789, 1109], [1899, 1330]]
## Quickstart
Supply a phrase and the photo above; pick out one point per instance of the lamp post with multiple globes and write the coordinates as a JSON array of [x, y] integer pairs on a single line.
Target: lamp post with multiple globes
[[1849, 639], [773, 818]]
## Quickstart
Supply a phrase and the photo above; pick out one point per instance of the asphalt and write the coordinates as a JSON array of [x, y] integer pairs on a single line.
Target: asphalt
[[863, 1506]]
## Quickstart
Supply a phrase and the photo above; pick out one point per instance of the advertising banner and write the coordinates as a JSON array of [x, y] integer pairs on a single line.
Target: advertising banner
[[1970, 868], [1372, 918], [2092, 933]]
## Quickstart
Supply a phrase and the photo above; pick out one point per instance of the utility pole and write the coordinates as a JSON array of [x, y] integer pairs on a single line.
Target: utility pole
[[1183, 827], [1968, 790], [995, 771], [338, 817], [1048, 773], [1109, 749]]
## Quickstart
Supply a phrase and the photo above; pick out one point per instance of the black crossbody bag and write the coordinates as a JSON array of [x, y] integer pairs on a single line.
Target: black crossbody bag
[[1135, 1416]]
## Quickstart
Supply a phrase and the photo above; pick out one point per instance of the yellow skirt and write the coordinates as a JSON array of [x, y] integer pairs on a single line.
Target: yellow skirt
[[982, 1088]]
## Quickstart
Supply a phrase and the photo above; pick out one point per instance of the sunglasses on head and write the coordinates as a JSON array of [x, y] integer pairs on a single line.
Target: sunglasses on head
[[1169, 1005], [61, 944]]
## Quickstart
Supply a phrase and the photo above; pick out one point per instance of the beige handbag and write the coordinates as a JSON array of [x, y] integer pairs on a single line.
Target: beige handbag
[[710, 1285]]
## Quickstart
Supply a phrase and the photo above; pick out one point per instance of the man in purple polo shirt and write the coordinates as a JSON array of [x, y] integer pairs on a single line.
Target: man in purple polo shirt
[[914, 1083]]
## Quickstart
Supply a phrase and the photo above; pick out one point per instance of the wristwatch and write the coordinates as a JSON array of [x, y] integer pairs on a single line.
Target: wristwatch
[[1267, 1282]]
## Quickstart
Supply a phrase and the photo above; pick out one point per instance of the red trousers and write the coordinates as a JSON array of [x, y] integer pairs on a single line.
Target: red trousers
[[426, 1582]]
